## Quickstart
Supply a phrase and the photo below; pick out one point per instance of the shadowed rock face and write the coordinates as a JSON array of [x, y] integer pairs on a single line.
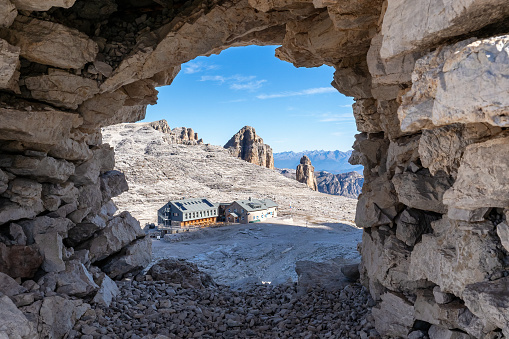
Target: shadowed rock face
[[250, 147], [345, 184], [430, 82]]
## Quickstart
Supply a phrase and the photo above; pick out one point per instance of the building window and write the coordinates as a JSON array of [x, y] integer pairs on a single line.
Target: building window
[[242, 210], [242, 217], [229, 210], [175, 214], [235, 210]]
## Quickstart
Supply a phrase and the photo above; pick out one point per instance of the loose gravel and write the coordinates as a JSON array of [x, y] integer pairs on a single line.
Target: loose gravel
[[156, 309]]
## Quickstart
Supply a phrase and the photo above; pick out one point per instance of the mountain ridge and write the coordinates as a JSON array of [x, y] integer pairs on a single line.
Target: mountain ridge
[[335, 162]]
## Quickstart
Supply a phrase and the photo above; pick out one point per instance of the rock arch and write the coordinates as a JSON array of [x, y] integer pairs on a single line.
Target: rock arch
[[430, 83]]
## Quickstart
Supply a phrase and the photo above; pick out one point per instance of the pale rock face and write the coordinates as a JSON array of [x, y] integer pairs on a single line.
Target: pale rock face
[[56, 324], [45, 169], [395, 316], [134, 257], [490, 299], [51, 247], [503, 234], [13, 324], [437, 332], [480, 181], [452, 316], [458, 83], [434, 258], [306, 173], [120, 231], [75, 280], [320, 42], [385, 262], [352, 78], [441, 149], [36, 126], [61, 88], [108, 290], [44, 5], [250, 147], [9, 65], [410, 25], [45, 224], [9, 13], [9, 286], [366, 116], [388, 75], [24, 192], [50, 43], [421, 190]]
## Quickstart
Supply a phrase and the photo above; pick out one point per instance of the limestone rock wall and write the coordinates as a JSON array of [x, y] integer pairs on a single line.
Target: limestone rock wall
[[248, 146], [430, 84], [305, 173]]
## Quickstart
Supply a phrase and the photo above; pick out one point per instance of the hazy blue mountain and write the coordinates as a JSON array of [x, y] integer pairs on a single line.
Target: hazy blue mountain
[[331, 161]]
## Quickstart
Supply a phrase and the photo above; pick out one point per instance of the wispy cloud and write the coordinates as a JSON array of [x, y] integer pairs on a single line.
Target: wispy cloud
[[341, 117], [196, 67], [236, 82], [233, 101], [309, 91], [250, 86], [345, 106], [218, 78]]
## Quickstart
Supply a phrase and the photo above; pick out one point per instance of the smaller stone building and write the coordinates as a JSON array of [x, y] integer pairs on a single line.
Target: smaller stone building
[[251, 211], [188, 212]]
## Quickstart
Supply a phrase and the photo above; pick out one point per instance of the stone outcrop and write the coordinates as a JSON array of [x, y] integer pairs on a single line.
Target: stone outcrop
[[250, 147], [346, 184], [429, 80], [178, 135], [305, 173]]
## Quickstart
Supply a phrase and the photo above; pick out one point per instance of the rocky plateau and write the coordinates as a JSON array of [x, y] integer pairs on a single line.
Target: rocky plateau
[[158, 170]]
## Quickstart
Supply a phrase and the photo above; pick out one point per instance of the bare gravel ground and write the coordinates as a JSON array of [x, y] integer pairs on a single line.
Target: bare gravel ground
[[264, 252]]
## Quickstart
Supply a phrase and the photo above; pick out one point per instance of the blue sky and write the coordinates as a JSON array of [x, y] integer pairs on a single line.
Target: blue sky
[[292, 109]]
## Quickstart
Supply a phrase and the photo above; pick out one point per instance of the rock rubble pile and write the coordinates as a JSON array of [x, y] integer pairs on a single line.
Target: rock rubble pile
[[149, 308]]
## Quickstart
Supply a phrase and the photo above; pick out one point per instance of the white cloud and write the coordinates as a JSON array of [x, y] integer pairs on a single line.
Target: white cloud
[[196, 67], [345, 106], [219, 78], [236, 82], [250, 86], [309, 91]]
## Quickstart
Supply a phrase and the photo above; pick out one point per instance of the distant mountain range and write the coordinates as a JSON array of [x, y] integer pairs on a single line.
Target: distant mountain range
[[331, 161]]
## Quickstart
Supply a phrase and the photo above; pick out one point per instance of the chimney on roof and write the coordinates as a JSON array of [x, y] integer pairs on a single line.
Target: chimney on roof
[[250, 198]]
